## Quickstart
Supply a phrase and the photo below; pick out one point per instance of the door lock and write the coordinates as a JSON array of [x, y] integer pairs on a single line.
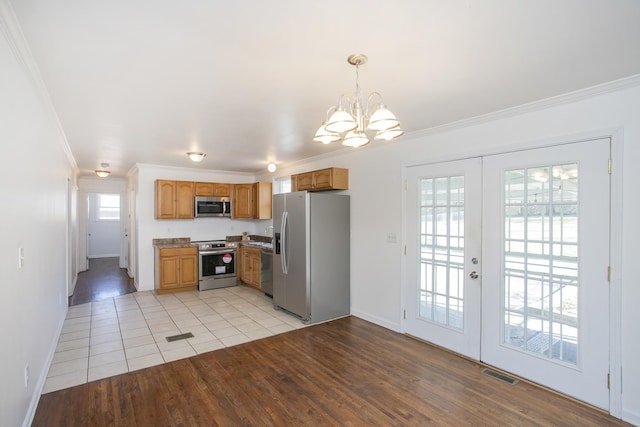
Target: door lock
[[473, 275]]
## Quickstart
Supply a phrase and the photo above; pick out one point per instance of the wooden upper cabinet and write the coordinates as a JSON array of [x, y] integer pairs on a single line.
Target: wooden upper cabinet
[[165, 199], [242, 202], [184, 199], [262, 200], [252, 201], [213, 189], [174, 199], [320, 180], [304, 181], [222, 189]]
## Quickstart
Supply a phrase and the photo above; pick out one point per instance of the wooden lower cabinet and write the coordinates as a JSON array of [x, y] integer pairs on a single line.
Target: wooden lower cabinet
[[176, 269], [250, 265]]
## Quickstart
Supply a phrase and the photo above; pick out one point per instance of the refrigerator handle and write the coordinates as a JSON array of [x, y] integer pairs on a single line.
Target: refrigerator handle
[[283, 244]]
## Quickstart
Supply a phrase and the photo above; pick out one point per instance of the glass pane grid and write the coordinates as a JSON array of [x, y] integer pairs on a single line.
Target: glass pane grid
[[441, 296], [541, 261]]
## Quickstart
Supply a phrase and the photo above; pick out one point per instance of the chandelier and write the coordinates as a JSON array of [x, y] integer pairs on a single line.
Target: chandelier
[[349, 120]]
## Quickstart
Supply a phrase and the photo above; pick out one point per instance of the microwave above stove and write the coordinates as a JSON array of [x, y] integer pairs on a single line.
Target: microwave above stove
[[212, 206]]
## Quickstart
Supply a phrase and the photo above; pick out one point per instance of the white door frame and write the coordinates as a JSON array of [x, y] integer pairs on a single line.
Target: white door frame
[[615, 239]]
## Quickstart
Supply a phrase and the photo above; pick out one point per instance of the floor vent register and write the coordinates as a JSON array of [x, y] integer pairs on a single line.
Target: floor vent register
[[180, 337], [499, 375]]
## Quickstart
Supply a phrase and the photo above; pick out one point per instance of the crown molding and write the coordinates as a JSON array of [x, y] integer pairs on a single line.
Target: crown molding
[[567, 98], [10, 28]]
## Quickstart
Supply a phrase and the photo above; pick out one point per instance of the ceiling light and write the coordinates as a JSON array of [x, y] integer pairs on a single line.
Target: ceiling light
[[271, 167], [103, 172], [349, 120], [195, 157]]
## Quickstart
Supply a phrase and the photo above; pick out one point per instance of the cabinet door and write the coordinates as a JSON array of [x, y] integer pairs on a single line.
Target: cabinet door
[[204, 189], [169, 272], [243, 201], [222, 190], [165, 199], [305, 181], [189, 270], [322, 179], [184, 199], [246, 266], [255, 268]]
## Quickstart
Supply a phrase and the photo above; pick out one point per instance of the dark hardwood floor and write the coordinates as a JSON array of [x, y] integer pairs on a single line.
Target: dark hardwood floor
[[103, 279], [346, 372]]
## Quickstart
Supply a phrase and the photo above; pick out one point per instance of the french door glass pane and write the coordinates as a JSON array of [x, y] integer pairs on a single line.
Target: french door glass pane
[[442, 250], [541, 261]]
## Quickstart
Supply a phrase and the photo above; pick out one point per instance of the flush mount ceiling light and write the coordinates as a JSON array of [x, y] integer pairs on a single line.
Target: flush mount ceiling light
[[348, 121], [195, 157], [103, 172], [271, 167]]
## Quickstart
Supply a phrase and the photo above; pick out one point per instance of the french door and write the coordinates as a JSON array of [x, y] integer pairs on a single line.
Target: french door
[[534, 300], [443, 250]]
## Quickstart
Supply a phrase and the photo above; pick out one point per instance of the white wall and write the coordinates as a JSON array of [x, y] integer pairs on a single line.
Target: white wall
[[103, 237], [37, 183], [148, 228], [376, 175]]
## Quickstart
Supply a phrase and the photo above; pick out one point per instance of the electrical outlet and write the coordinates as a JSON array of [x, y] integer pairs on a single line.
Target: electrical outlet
[[392, 237], [26, 376]]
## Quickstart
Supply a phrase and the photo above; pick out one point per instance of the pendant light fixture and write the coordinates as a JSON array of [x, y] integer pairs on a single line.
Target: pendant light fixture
[[348, 121]]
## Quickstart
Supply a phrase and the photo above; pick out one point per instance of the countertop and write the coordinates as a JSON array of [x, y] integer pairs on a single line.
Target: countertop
[[175, 242]]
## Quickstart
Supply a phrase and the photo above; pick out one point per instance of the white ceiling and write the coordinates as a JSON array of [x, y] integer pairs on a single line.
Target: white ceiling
[[250, 81]]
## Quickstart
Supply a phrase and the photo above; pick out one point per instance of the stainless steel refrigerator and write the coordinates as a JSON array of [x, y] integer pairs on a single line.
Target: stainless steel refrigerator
[[311, 266]]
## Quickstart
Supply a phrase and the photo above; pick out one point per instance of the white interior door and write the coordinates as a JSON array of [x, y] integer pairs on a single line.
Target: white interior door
[[443, 255], [546, 257], [539, 305]]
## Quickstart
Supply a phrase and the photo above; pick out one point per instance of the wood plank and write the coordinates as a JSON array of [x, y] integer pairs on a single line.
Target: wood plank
[[346, 372]]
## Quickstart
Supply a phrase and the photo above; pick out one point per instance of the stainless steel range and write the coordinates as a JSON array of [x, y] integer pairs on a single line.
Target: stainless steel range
[[217, 264]]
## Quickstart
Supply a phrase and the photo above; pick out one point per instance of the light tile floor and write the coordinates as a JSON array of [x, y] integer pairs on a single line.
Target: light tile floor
[[126, 333]]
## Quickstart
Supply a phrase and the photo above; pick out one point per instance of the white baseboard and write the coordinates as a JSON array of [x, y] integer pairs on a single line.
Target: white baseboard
[[377, 320], [42, 378], [631, 417], [104, 256]]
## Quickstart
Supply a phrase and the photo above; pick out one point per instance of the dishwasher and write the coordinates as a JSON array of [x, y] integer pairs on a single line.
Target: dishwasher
[[266, 270]]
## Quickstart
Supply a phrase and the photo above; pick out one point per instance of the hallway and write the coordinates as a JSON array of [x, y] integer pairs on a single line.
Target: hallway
[[104, 279]]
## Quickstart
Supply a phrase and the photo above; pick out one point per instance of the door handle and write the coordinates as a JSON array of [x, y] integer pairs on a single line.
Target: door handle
[[283, 243], [473, 275]]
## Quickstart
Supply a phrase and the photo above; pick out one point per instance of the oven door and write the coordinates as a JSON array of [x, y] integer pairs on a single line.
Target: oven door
[[219, 263]]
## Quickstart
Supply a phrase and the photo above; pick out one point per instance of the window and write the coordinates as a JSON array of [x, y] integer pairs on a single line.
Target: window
[[282, 185], [108, 207]]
